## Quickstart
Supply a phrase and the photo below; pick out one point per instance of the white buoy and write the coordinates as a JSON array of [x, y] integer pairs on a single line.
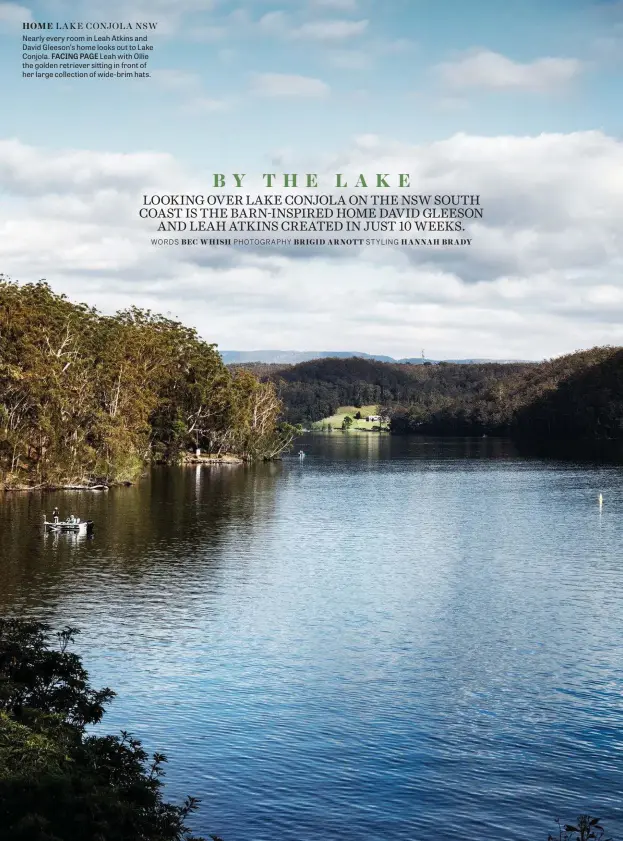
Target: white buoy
[[601, 500]]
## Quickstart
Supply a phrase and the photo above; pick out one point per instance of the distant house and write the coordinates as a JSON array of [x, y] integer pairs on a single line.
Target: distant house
[[373, 418]]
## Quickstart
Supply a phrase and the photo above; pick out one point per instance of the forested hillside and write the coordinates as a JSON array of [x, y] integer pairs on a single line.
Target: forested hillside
[[86, 397], [576, 396], [514, 403], [313, 390], [579, 396]]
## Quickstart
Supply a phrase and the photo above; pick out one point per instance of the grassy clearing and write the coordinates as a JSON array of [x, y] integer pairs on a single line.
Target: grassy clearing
[[337, 419]]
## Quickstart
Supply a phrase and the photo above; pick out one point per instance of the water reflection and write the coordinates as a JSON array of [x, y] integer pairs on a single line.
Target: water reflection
[[51, 540], [374, 446], [163, 519], [392, 638]]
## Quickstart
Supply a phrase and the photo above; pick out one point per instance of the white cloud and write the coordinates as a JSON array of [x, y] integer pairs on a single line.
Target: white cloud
[[31, 171], [175, 5], [153, 8], [364, 58], [368, 141], [274, 23], [350, 59], [171, 15], [188, 88], [279, 23], [227, 55], [204, 105], [283, 85], [341, 5], [207, 34], [396, 46], [486, 69], [330, 30], [543, 275], [451, 103], [176, 80], [12, 16]]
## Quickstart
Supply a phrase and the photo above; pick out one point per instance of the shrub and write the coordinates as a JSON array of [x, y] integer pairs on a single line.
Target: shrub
[[57, 782], [585, 829]]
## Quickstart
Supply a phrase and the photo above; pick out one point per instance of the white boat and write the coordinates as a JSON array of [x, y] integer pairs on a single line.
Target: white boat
[[71, 524]]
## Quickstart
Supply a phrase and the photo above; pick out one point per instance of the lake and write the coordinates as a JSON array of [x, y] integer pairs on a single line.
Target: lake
[[393, 638]]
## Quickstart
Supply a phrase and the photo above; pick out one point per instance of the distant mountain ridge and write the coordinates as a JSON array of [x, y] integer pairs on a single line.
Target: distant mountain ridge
[[293, 357]]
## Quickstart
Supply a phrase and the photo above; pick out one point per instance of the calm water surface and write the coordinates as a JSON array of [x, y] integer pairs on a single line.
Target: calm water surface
[[393, 639]]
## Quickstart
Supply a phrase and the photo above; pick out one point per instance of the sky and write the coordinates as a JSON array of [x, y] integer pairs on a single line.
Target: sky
[[518, 102]]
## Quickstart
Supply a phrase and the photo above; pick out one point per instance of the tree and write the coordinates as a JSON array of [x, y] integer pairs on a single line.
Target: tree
[[384, 415], [587, 829], [87, 398], [576, 398], [56, 782], [347, 422]]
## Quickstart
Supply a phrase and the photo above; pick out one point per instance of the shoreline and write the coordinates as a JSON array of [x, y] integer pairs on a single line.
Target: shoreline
[[45, 487], [186, 461], [211, 459]]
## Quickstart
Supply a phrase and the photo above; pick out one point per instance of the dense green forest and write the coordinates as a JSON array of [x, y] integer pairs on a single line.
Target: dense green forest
[[88, 398], [574, 397], [566, 396], [313, 390]]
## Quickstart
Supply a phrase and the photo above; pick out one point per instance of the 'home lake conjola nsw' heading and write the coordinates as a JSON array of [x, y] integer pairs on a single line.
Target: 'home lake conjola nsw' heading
[[77, 25]]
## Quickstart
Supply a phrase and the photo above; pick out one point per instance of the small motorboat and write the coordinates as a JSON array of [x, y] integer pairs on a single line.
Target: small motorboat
[[71, 524]]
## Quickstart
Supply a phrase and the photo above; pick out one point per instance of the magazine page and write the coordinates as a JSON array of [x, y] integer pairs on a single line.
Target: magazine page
[[311, 412]]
